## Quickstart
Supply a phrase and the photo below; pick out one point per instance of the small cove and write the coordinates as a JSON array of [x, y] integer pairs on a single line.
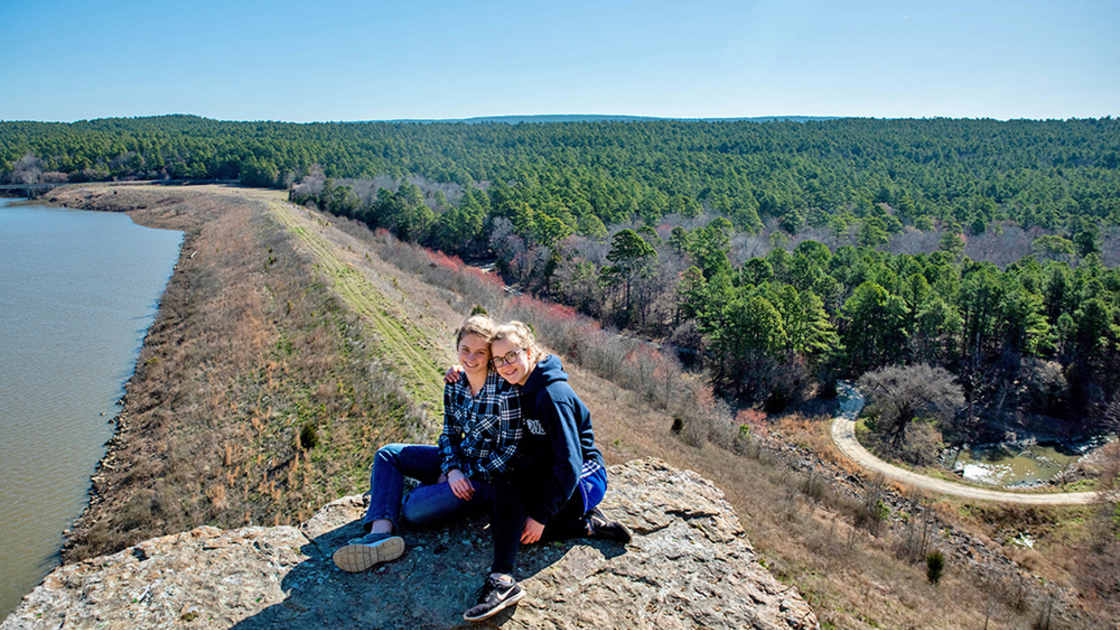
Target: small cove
[[1010, 465], [78, 290]]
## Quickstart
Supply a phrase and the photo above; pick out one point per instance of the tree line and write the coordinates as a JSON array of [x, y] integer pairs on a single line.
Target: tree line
[[970, 173], [768, 252]]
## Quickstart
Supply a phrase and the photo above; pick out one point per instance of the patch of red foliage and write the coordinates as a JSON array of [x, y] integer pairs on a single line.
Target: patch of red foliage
[[755, 419]]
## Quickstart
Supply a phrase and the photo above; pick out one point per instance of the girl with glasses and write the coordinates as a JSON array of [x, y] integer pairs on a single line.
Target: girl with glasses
[[559, 474]]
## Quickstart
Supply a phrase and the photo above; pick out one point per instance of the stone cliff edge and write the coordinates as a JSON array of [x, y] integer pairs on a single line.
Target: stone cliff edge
[[689, 566]]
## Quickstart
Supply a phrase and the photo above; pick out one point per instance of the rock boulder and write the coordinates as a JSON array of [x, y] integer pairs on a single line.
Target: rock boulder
[[688, 566]]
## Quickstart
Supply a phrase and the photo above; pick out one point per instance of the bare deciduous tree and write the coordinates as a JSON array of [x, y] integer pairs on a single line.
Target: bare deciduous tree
[[26, 170], [900, 394]]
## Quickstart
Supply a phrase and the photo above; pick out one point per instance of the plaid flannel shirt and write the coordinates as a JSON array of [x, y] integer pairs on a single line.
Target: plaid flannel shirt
[[481, 432]]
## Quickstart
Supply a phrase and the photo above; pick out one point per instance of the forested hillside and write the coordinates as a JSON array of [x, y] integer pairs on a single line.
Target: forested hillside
[[1037, 173], [781, 254]]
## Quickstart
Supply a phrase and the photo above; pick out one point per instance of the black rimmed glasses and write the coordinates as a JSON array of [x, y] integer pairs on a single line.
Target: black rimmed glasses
[[506, 359]]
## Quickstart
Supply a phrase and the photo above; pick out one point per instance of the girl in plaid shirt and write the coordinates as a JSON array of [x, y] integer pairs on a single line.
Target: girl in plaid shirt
[[481, 430]]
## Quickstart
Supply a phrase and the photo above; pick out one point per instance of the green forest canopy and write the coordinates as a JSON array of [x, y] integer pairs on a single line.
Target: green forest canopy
[[1035, 173]]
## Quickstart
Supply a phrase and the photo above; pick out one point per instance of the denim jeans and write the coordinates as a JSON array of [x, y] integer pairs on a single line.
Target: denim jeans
[[427, 505]]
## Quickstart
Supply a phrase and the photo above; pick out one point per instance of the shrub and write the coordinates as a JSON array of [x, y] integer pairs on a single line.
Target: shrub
[[695, 432], [753, 422], [935, 564], [743, 438], [308, 436], [872, 511]]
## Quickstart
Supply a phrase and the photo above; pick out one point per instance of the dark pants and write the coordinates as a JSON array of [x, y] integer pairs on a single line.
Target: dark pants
[[508, 523]]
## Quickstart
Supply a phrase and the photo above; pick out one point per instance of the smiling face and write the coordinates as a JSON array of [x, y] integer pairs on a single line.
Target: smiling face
[[517, 370], [474, 355]]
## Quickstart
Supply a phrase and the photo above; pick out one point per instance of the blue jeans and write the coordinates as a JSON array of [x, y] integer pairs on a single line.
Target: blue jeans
[[428, 505]]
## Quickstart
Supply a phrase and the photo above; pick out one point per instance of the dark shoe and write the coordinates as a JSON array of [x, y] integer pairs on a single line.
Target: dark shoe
[[493, 597], [601, 528], [363, 553]]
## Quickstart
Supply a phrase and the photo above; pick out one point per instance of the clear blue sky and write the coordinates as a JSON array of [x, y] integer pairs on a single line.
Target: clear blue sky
[[390, 59]]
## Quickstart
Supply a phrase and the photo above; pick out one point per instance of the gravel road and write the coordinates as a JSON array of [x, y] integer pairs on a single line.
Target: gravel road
[[844, 435]]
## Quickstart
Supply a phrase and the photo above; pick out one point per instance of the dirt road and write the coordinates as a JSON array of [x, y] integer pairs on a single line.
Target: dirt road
[[844, 435]]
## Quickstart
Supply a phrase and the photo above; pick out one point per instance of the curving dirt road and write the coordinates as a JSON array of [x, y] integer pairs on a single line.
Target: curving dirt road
[[844, 435]]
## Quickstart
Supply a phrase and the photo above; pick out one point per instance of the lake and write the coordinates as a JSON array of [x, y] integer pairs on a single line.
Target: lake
[[78, 290]]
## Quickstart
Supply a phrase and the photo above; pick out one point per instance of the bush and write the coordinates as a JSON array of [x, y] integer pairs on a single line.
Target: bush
[[308, 436], [695, 432], [873, 511], [935, 564], [743, 440]]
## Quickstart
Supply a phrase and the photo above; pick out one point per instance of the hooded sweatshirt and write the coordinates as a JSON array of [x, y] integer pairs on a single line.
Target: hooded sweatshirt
[[557, 439]]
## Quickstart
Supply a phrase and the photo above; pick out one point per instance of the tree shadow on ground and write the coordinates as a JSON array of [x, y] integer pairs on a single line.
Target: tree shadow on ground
[[428, 587]]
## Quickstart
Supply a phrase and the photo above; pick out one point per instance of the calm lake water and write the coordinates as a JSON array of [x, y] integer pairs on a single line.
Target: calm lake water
[[78, 290]]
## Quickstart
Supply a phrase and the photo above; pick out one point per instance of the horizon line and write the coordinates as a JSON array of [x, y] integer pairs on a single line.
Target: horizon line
[[516, 118]]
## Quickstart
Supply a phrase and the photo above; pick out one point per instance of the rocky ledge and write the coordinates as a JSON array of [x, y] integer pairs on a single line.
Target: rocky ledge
[[688, 566]]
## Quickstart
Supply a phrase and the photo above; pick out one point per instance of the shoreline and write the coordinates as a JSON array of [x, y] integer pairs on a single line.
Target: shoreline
[[97, 492], [76, 336], [115, 276]]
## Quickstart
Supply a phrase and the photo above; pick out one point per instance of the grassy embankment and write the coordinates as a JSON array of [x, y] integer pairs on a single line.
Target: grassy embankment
[[252, 348], [847, 544]]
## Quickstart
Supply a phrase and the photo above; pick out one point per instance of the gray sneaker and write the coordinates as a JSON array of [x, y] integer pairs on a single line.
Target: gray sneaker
[[369, 538], [363, 553]]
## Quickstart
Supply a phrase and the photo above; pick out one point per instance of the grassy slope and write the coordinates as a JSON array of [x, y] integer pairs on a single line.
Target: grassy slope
[[316, 353], [402, 337]]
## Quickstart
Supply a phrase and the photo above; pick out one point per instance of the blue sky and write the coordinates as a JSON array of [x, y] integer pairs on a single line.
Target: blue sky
[[348, 60]]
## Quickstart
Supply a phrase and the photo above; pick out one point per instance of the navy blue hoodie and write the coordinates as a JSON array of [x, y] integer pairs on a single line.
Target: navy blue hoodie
[[557, 439]]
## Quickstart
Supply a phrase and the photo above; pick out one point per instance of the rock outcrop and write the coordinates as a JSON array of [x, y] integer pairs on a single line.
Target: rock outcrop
[[688, 566]]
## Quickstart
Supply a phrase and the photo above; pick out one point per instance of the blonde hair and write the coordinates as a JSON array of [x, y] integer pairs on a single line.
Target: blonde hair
[[521, 336], [479, 325]]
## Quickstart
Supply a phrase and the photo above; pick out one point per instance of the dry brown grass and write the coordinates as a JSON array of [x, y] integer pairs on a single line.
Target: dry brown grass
[[249, 346]]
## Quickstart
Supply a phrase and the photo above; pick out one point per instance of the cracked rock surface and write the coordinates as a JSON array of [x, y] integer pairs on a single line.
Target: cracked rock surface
[[688, 566]]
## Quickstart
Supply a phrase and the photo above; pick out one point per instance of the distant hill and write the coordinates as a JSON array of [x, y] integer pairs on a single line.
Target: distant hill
[[561, 118]]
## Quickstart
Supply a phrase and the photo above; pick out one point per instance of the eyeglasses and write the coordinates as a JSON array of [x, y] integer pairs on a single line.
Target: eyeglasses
[[498, 362]]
